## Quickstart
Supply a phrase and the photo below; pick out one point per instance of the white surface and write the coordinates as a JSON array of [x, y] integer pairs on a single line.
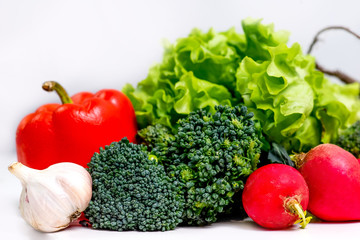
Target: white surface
[[89, 45], [12, 226]]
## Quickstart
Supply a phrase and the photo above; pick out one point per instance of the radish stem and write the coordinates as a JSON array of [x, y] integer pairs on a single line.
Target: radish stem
[[295, 208]]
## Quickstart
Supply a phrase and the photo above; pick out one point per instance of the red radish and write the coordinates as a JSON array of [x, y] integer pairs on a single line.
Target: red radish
[[275, 196], [333, 177]]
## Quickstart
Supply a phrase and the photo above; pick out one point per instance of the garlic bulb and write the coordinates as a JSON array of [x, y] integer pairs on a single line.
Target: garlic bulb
[[54, 197]]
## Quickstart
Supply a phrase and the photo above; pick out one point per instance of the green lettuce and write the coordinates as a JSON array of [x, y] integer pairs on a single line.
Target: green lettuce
[[197, 72], [294, 103]]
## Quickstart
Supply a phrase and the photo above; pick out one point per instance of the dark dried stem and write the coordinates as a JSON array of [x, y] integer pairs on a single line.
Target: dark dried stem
[[342, 76]]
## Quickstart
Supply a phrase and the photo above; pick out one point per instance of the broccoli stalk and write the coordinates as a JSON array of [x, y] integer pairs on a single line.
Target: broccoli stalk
[[210, 156], [131, 191]]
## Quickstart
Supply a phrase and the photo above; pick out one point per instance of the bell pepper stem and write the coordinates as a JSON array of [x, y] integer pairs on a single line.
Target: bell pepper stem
[[55, 86]]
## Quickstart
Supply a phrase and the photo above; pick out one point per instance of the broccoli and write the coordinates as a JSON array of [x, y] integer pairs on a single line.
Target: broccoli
[[210, 156], [154, 135], [349, 139], [131, 191]]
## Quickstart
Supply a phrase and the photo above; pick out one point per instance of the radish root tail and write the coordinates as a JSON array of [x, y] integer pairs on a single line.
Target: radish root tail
[[295, 208]]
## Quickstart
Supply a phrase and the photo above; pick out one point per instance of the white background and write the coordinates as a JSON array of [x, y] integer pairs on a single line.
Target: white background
[[90, 45]]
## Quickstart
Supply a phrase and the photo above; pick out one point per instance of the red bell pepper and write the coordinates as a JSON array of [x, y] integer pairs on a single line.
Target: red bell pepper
[[74, 130]]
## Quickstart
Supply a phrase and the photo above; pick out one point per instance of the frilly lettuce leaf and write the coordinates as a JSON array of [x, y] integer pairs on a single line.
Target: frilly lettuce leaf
[[294, 103], [208, 56], [194, 93], [197, 72], [167, 105], [259, 37], [278, 95], [336, 107]]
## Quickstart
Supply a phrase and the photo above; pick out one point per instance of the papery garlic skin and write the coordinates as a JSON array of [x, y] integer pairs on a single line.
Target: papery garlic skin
[[54, 197]]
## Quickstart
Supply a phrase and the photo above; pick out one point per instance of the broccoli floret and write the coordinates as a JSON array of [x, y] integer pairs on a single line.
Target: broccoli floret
[[211, 156], [132, 191], [155, 135], [349, 139]]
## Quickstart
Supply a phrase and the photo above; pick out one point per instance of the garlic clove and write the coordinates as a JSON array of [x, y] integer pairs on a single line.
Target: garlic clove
[[54, 197]]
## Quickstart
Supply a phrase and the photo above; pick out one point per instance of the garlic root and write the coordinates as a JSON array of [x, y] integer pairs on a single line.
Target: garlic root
[[54, 197]]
